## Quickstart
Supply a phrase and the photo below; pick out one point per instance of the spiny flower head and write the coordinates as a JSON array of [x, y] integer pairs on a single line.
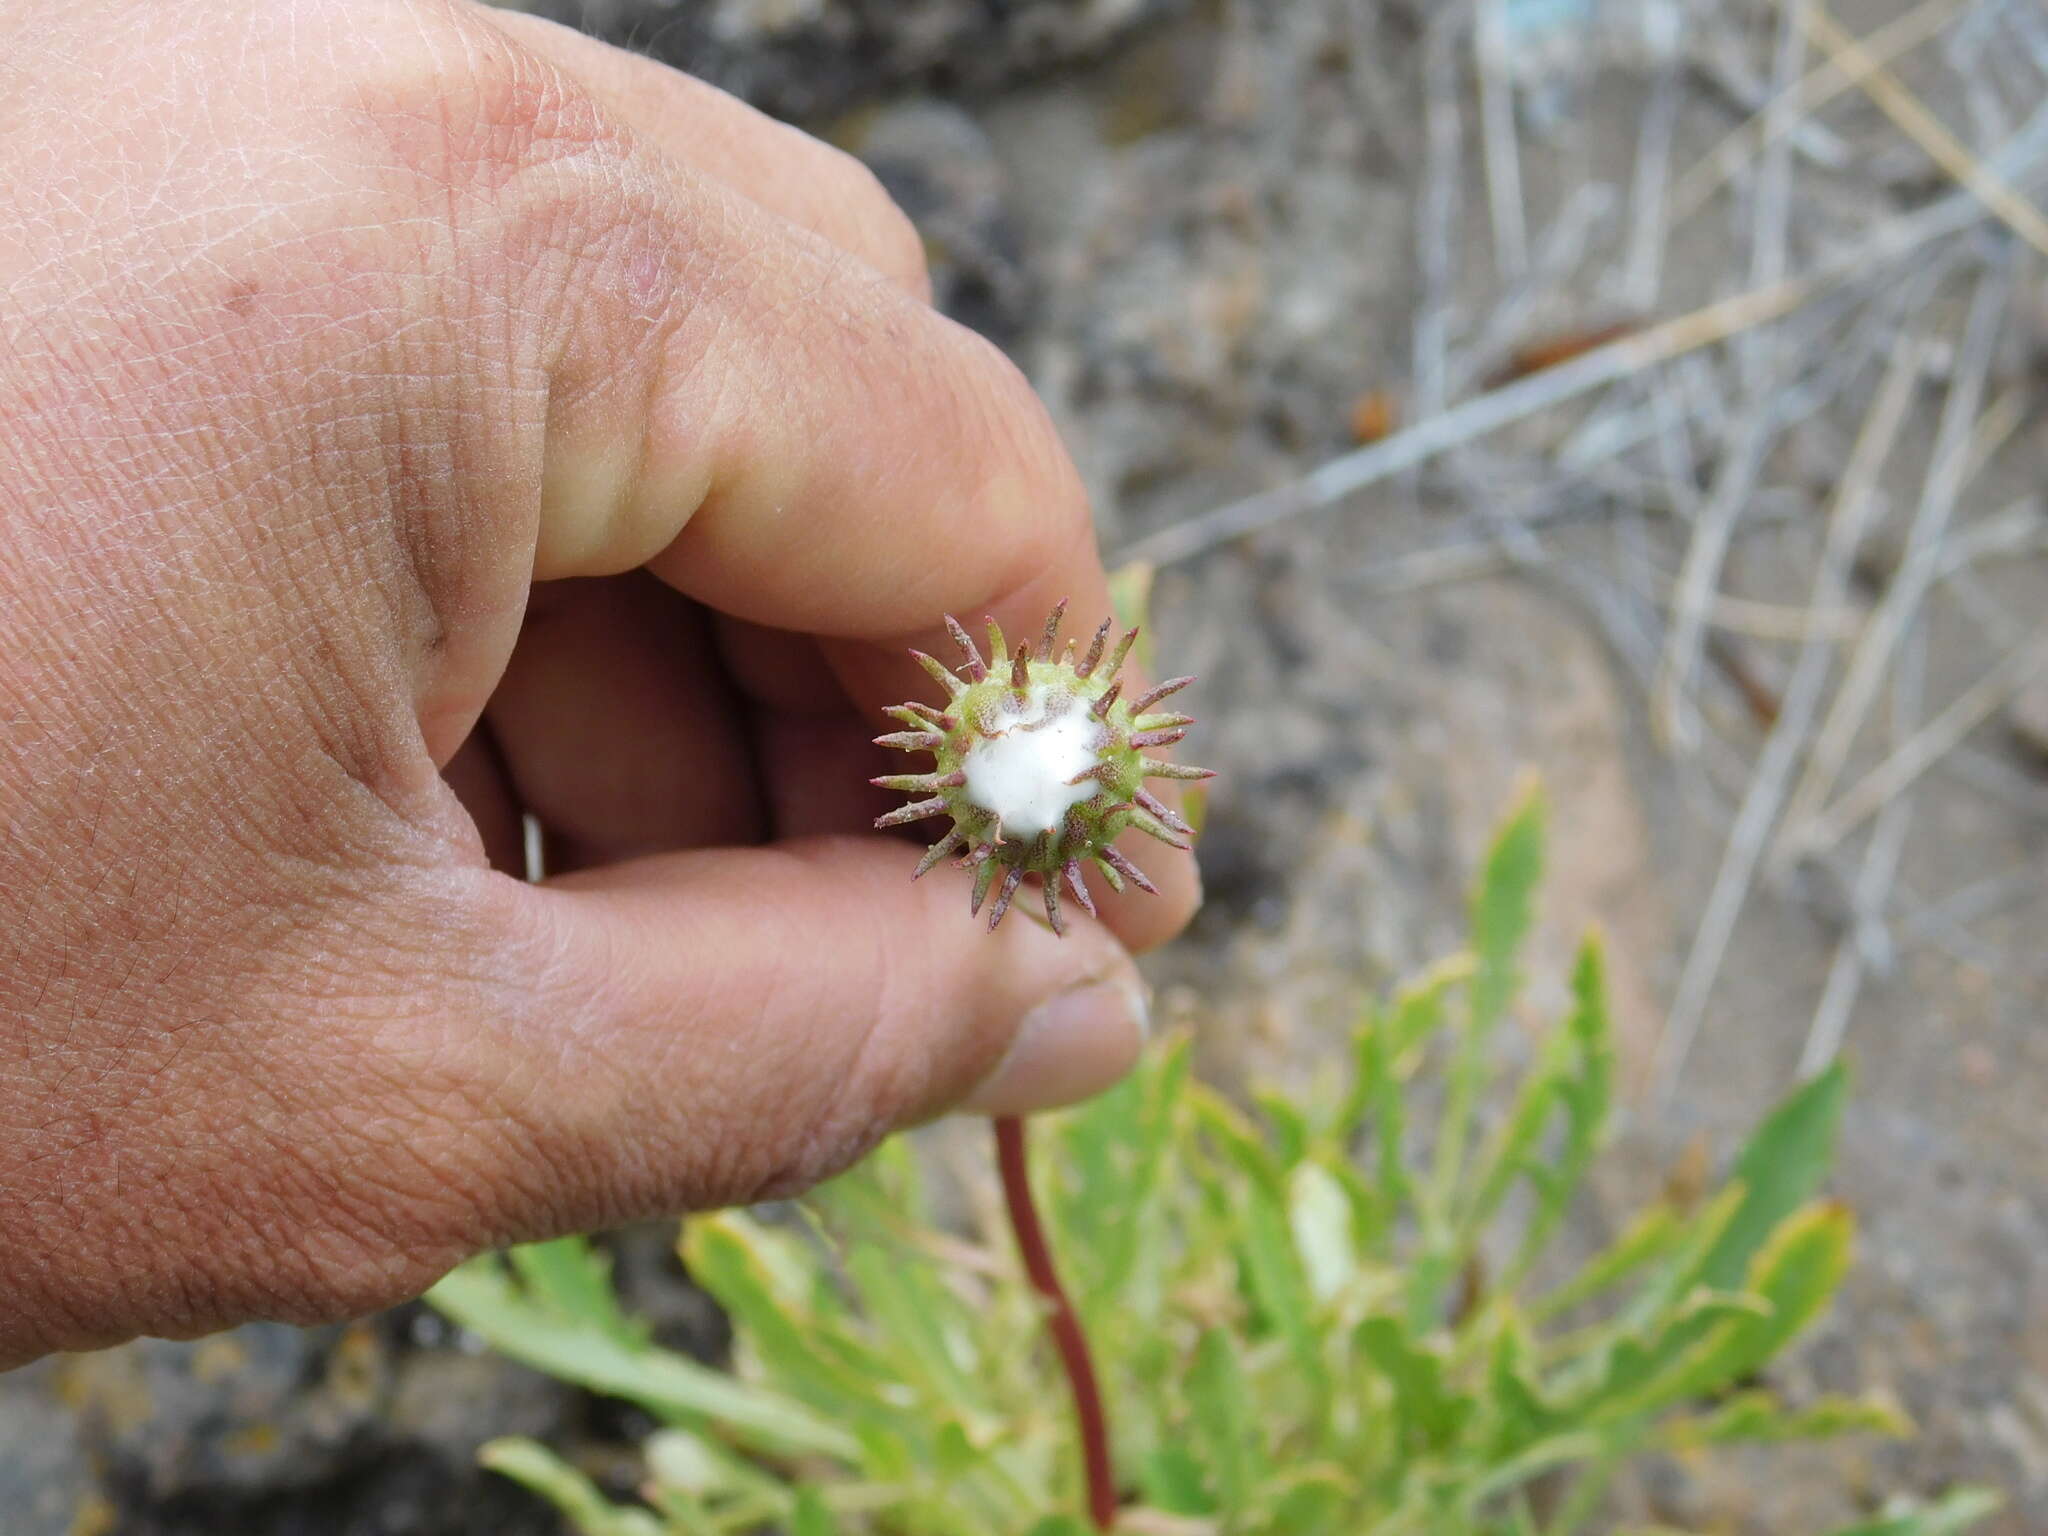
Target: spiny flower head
[[1040, 765]]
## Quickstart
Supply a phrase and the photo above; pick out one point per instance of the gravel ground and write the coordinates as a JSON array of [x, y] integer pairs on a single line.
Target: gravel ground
[[1232, 239]]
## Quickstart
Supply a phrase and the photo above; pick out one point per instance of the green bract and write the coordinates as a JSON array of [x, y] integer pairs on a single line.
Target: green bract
[[1040, 764]]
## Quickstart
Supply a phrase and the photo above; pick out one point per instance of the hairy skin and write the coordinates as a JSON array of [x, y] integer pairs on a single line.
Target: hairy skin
[[326, 331]]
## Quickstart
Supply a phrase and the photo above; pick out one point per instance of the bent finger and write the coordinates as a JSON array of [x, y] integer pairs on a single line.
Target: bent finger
[[783, 169], [730, 1025], [618, 728]]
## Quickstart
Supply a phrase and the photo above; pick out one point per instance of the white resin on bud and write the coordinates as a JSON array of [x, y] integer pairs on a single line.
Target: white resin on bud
[[1021, 772]]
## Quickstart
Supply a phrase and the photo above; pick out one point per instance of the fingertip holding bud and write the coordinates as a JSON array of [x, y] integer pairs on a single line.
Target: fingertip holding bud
[[1049, 748], [1069, 1048]]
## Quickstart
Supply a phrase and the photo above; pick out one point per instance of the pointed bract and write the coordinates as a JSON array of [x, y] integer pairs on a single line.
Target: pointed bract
[[1128, 870], [938, 851], [911, 741], [1052, 629], [940, 675], [1123, 649], [905, 815], [1170, 686], [1079, 887], [1089, 661], [972, 664], [984, 876], [1163, 811], [1002, 906], [1152, 826], [908, 783]]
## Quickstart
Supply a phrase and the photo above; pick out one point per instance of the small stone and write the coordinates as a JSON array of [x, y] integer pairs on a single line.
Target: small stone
[[454, 1402], [47, 1486], [261, 1407]]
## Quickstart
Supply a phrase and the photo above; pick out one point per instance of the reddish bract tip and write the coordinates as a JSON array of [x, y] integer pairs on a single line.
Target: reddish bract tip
[[1095, 646], [972, 664], [1052, 629]]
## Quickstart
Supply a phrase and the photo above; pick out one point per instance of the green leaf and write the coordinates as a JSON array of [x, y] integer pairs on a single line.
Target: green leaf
[[1780, 1169], [1153, 1113], [1278, 1286], [1225, 1434], [926, 1324], [1501, 914], [811, 1517], [1315, 1505], [1650, 1235], [1388, 1042], [1061, 1525], [571, 1275], [1529, 1463], [1429, 1414], [1585, 1086], [736, 1261], [1502, 908], [1512, 1147], [1610, 1382], [1793, 1277], [1952, 1514], [481, 1298], [1702, 1233], [1420, 1010], [1515, 1400], [1391, 1186], [884, 1456], [1172, 1480], [539, 1470], [1761, 1418], [1238, 1138], [1286, 1124], [954, 1454]]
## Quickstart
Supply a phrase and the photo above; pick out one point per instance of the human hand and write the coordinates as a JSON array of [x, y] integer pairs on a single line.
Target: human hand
[[328, 330]]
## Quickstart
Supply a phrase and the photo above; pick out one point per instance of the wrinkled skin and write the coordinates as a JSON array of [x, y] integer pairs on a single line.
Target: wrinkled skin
[[413, 414]]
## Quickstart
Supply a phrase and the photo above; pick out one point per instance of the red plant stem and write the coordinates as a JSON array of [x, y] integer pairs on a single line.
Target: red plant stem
[[1061, 1321]]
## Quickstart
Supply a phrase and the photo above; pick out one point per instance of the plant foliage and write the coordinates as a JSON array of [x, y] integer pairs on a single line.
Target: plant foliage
[[1338, 1315]]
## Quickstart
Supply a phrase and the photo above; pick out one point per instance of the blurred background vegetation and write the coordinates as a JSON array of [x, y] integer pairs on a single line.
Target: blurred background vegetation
[[1646, 391]]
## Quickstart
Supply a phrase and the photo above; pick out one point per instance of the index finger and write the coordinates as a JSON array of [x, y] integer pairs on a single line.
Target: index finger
[[792, 440]]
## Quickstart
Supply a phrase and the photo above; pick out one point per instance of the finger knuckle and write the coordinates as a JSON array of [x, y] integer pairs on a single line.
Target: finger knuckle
[[1027, 459], [462, 107], [894, 243]]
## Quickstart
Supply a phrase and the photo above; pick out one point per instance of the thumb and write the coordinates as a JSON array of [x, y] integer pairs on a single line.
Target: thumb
[[741, 1023]]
